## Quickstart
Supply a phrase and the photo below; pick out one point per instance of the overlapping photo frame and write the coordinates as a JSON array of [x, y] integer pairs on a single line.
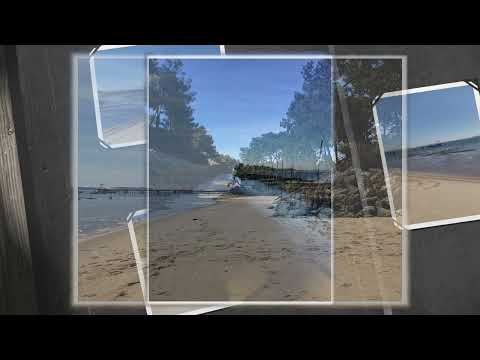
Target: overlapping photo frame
[[408, 216], [196, 307]]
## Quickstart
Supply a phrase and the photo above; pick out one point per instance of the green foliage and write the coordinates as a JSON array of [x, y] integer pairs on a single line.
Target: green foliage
[[305, 142], [173, 129], [363, 80]]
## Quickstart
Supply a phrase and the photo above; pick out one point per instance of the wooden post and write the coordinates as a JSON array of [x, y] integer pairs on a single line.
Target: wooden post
[[17, 294]]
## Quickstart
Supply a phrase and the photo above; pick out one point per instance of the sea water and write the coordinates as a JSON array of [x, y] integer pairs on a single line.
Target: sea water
[[453, 158]]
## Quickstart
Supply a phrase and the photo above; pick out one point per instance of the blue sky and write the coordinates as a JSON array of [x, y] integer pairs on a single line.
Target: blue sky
[[236, 100], [129, 72], [119, 167], [241, 99], [437, 116]]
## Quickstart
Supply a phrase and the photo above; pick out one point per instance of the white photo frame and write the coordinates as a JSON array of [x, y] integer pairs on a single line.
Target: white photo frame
[[114, 52], [405, 93], [225, 304]]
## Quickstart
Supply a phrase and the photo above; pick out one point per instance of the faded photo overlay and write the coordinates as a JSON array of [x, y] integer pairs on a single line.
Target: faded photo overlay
[[260, 179], [111, 174], [240, 159], [443, 151]]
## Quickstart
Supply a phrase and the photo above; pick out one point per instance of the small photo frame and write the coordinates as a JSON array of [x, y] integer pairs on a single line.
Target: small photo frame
[[119, 92], [441, 153]]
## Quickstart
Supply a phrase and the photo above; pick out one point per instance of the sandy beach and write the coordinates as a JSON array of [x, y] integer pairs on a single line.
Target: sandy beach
[[367, 260], [433, 197], [234, 250], [237, 251], [107, 267]]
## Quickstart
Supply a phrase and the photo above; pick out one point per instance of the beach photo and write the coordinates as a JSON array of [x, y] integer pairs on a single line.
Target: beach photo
[[368, 245], [119, 89], [111, 182], [240, 160], [443, 150]]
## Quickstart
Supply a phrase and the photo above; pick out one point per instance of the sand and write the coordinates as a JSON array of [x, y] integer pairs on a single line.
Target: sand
[[367, 260], [434, 197], [107, 268], [237, 251]]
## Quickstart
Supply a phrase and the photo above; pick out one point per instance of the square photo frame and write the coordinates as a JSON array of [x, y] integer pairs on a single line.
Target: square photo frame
[[119, 93], [440, 153]]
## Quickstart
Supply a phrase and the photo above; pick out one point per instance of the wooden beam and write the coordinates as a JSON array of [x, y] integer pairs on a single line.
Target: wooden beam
[[44, 136], [17, 294]]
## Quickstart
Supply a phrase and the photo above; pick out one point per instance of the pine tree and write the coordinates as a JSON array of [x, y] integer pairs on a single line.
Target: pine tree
[[172, 125]]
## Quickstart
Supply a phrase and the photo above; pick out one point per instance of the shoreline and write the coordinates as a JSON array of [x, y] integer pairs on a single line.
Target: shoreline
[[237, 251], [263, 256], [207, 254], [120, 228], [442, 176]]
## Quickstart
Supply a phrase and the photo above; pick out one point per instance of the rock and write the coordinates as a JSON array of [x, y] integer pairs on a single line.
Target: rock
[[356, 207], [353, 199], [338, 180], [325, 213], [381, 212], [385, 203], [350, 180], [369, 211]]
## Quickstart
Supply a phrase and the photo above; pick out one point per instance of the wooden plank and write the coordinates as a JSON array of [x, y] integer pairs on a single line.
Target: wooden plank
[[44, 140], [16, 276], [44, 133]]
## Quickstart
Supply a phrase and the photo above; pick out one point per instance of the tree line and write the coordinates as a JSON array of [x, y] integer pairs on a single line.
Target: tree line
[[305, 142], [309, 140], [173, 129], [314, 135]]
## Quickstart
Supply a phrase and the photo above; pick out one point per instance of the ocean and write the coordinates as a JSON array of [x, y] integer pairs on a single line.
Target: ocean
[[100, 213], [453, 158], [119, 108]]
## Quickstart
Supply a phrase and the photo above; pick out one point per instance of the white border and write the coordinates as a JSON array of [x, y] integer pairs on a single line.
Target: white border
[[138, 259], [404, 93], [141, 275], [74, 171], [74, 293], [225, 303], [405, 275], [332, 302]]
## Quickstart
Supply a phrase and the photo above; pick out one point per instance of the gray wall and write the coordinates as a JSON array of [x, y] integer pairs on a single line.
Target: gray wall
[[443, 261]]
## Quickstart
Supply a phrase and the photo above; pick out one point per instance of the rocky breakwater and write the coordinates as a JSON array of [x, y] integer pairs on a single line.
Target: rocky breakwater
[[346, 196]]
